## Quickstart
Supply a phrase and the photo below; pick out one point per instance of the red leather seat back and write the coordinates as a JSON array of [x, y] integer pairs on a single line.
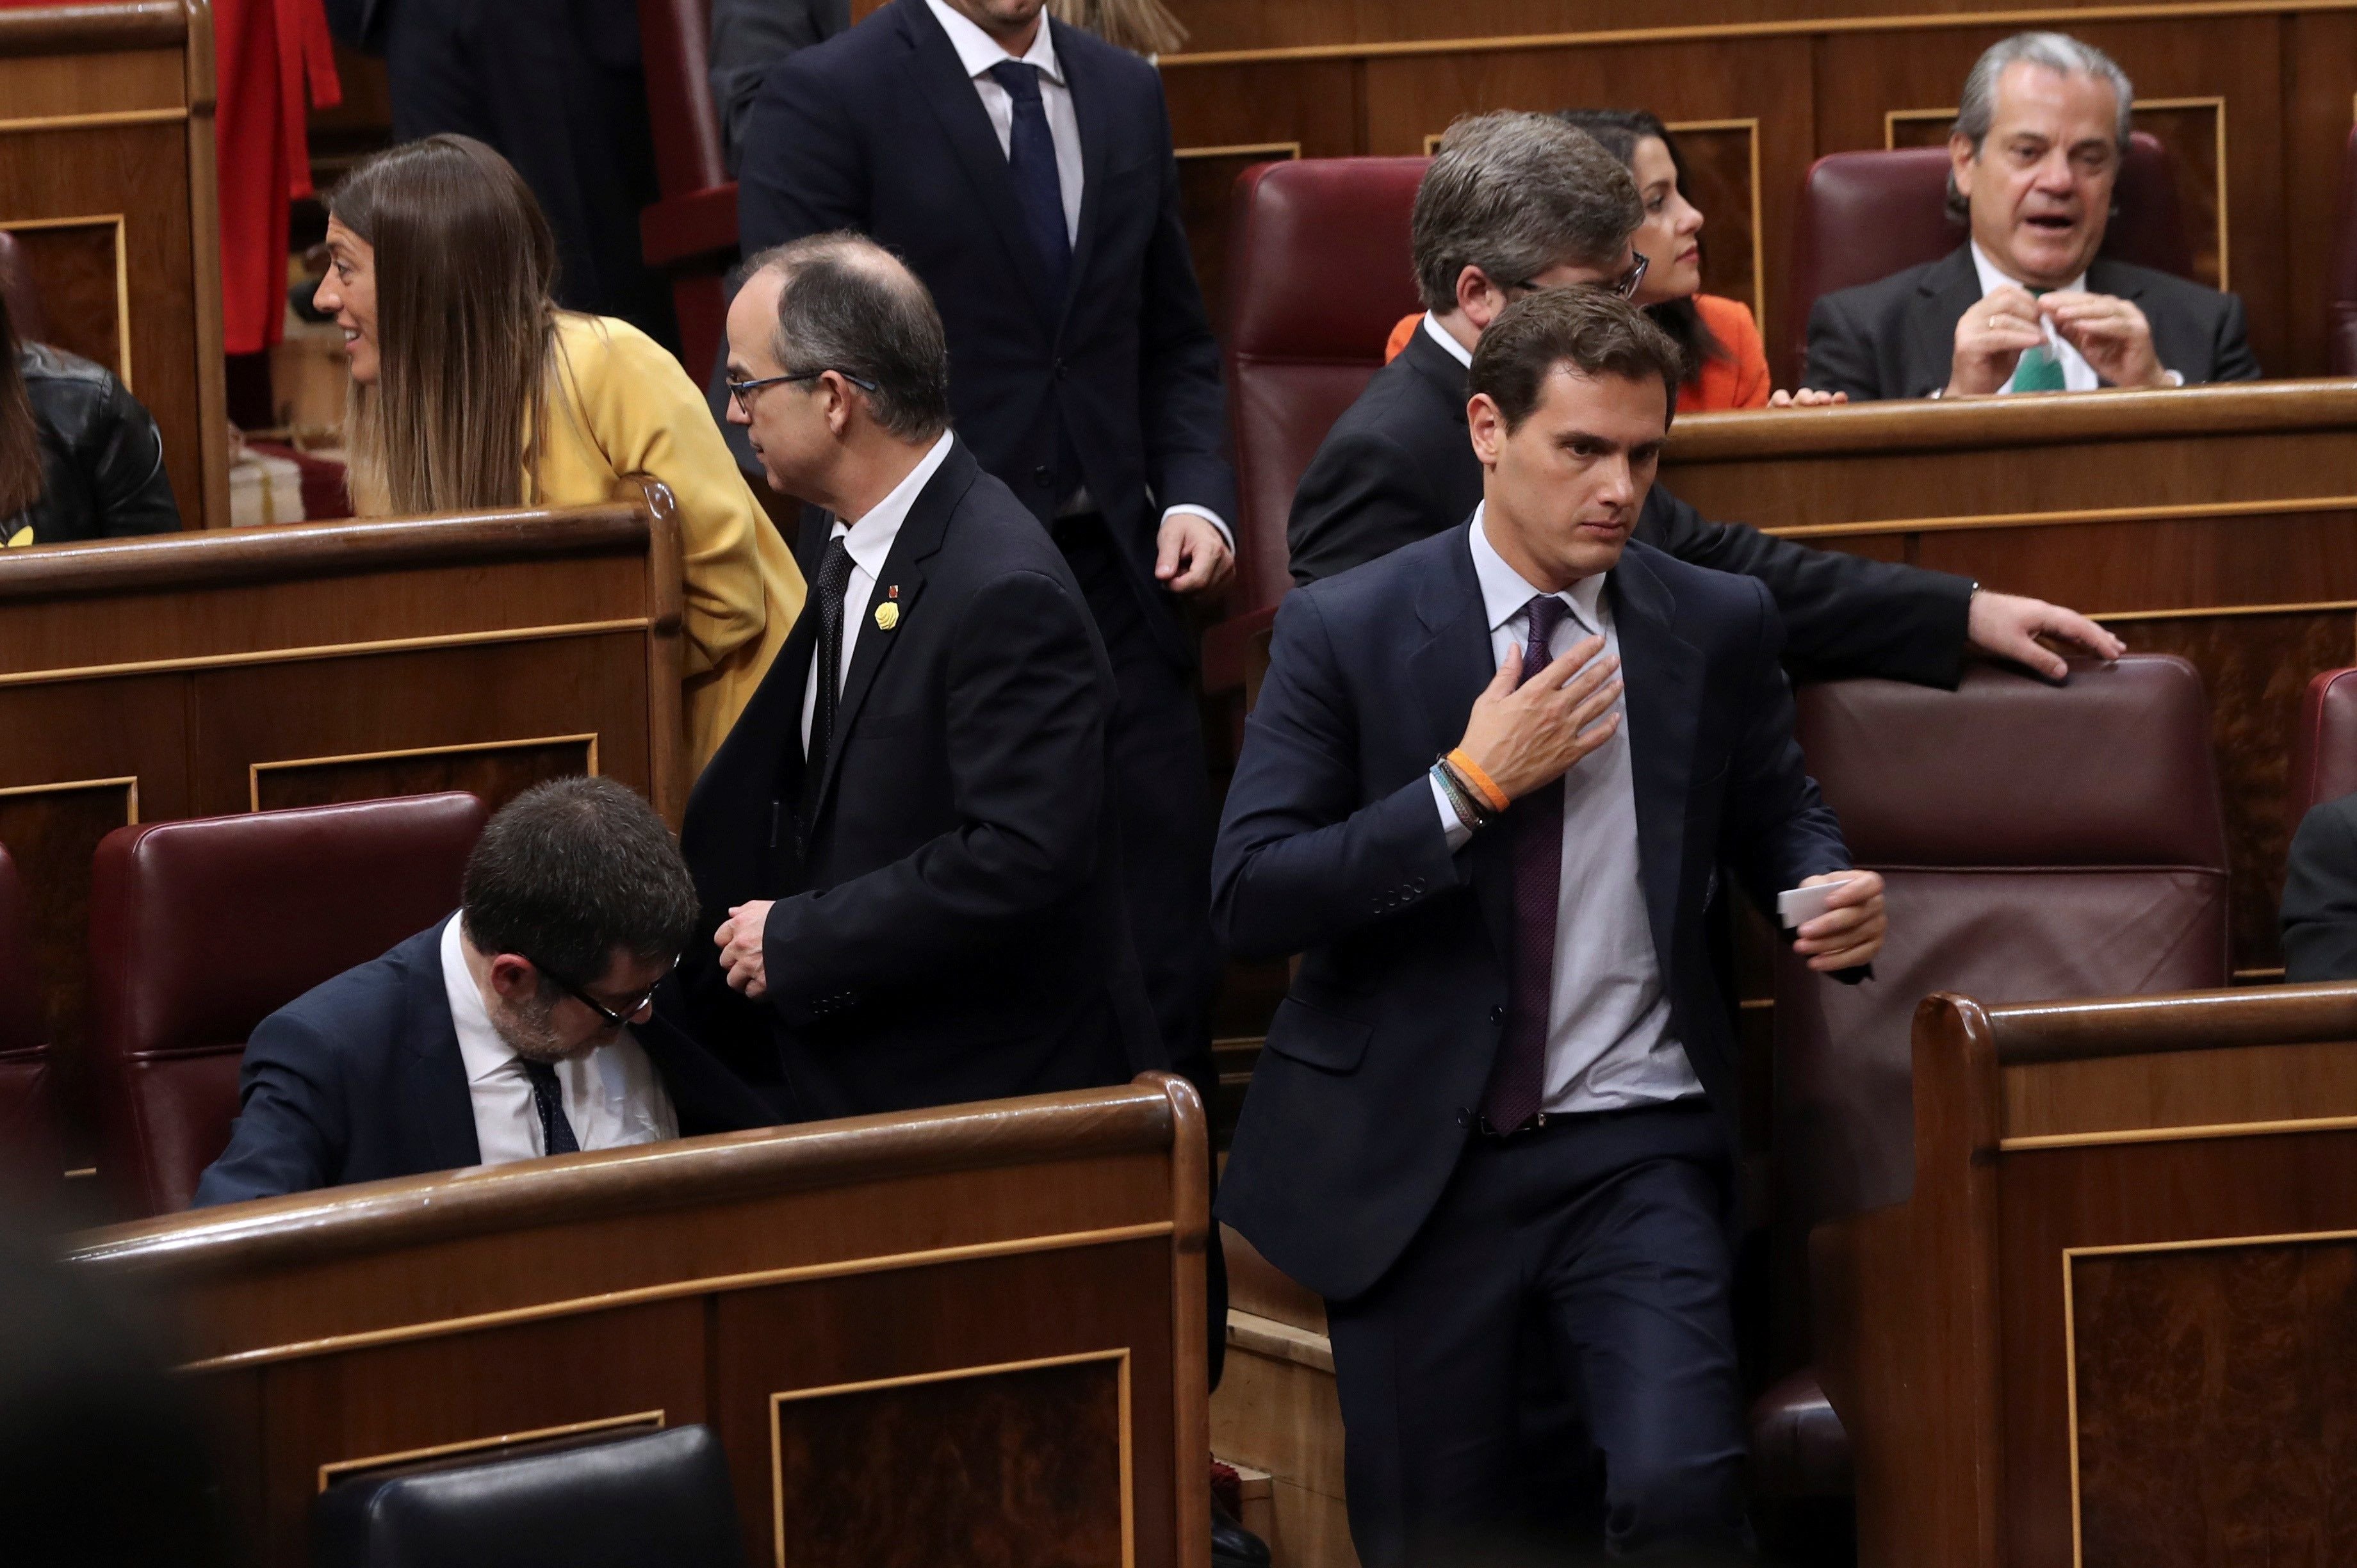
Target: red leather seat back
[[31, 1162], [2341, 322], [25, 313], [1865, 216], [1319, 273], [201, 929], [2324, 746], [675, 37]]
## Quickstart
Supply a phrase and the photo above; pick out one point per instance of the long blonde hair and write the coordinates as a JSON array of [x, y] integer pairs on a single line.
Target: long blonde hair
[[1141, 27], [466, 327]]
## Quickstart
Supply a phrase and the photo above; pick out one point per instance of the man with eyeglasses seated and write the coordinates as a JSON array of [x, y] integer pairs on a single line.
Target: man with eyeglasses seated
[[1515, 202], [518, 1027]]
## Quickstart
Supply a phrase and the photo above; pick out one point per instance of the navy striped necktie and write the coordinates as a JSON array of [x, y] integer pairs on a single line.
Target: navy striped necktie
[[548, 1099], [1031, 157]]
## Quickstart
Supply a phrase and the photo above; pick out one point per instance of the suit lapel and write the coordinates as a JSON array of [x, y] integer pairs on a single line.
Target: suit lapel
[[1661, 676], [1448, 669], [901, 583], [940, 81], [1092, 111], [1947, 291], [440, 1107], [1438, 367]]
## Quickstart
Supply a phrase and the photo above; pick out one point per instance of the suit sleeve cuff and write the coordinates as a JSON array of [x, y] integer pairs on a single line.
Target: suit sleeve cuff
[[1207, 515], [1452, 826]]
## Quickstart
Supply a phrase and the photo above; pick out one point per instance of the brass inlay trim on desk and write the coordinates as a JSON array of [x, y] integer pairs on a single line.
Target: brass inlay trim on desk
[[2175, 1134], [2177, 511], [1801, 27], [2071, 1327], [329, 1472], [1128, 1504], [323, 650], [608, 1301], [88, 122], [2211, 611], [122, 276], [255, 771], [129, 785], [1244, 150]]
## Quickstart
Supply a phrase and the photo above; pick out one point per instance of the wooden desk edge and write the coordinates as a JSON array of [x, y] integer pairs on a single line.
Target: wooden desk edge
[[2034, 1032], [1143, 1116], [89, 29]]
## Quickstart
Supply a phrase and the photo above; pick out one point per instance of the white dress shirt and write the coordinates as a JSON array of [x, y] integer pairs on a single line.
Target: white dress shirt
[[870, 540], [1609, 1043], [2077, 374], [1442, 336], [613, 1096], [978, 51]]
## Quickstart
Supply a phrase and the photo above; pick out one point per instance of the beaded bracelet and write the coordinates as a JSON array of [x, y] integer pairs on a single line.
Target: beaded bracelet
[[1469, 808]]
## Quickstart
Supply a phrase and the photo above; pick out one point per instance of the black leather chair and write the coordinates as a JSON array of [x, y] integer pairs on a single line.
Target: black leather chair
[[631, 1502]]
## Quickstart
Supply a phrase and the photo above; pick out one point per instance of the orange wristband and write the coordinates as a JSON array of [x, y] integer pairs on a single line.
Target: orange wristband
[[1472, 775]]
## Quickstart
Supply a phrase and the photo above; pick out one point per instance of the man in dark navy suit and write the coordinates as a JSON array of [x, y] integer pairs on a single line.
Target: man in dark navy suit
[[906, 847], [1486, 793], [516, 1028], [1023, 169]]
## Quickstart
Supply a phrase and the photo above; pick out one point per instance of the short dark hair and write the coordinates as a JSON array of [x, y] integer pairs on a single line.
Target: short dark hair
[[851, 306], [1592, 331], [572, 869], [1514, 194]]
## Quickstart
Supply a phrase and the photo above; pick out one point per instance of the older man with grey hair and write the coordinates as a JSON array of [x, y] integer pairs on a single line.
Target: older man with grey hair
[[1517, 203], [2026, 304]]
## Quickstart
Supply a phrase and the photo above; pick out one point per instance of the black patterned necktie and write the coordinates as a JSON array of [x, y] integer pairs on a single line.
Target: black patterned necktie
[[548, 1099], [834, 578], [1518, 1079], [1031, 157]]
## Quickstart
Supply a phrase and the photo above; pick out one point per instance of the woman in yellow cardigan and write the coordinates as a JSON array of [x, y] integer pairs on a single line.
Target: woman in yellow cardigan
[[470, 390]]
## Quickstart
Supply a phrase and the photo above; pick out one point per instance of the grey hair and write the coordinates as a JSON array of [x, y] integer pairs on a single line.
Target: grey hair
[[851, 307], [2057, 52], [1515, 194]]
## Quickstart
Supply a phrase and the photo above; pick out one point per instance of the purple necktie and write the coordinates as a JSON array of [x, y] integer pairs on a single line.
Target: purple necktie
[[1518, 1079]]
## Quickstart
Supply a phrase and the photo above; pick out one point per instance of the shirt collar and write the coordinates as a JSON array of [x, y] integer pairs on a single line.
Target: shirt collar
[[1442, 336], [1993, 278], [978, 51], [486, 1056], [870, 540], [1506, 593]]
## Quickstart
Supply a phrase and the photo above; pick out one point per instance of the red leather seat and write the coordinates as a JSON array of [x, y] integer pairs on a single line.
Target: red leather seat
[[1319, 273], [2324, 746], [1865, 216], [201, 929], [690, 234], [31, 1162], [2035, 842], [2340, 318]]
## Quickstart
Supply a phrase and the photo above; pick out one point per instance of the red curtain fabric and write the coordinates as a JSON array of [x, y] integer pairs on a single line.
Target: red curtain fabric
[[275, 63]]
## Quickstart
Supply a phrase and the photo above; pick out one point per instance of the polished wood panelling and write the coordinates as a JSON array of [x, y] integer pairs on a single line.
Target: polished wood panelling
[[2159, 1096], [2256, 99], [225, 672], [2213, 1390], [918, 1337], [1011, 1466], [1946, 1322], [106, 134]]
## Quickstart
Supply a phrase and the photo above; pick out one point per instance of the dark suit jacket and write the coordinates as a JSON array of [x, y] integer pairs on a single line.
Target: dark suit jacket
[[1399, 466], [1331, 847], [361, 1080], [1117, 382], [1898, 337], [2319, 899], [949, 925], [748, 37]]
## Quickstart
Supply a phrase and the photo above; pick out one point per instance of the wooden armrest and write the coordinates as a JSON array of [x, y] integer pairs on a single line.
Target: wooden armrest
[[2184, 1021], [684, 228], [1227, 648]]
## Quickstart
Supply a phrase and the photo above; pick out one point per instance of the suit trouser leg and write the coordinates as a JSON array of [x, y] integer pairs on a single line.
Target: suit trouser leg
[[1609, 1231], [1163, 800]]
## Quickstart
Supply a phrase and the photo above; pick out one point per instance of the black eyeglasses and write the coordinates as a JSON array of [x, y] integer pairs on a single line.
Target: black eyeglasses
[[1625, 285], [613, 1019], [742, 391]]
